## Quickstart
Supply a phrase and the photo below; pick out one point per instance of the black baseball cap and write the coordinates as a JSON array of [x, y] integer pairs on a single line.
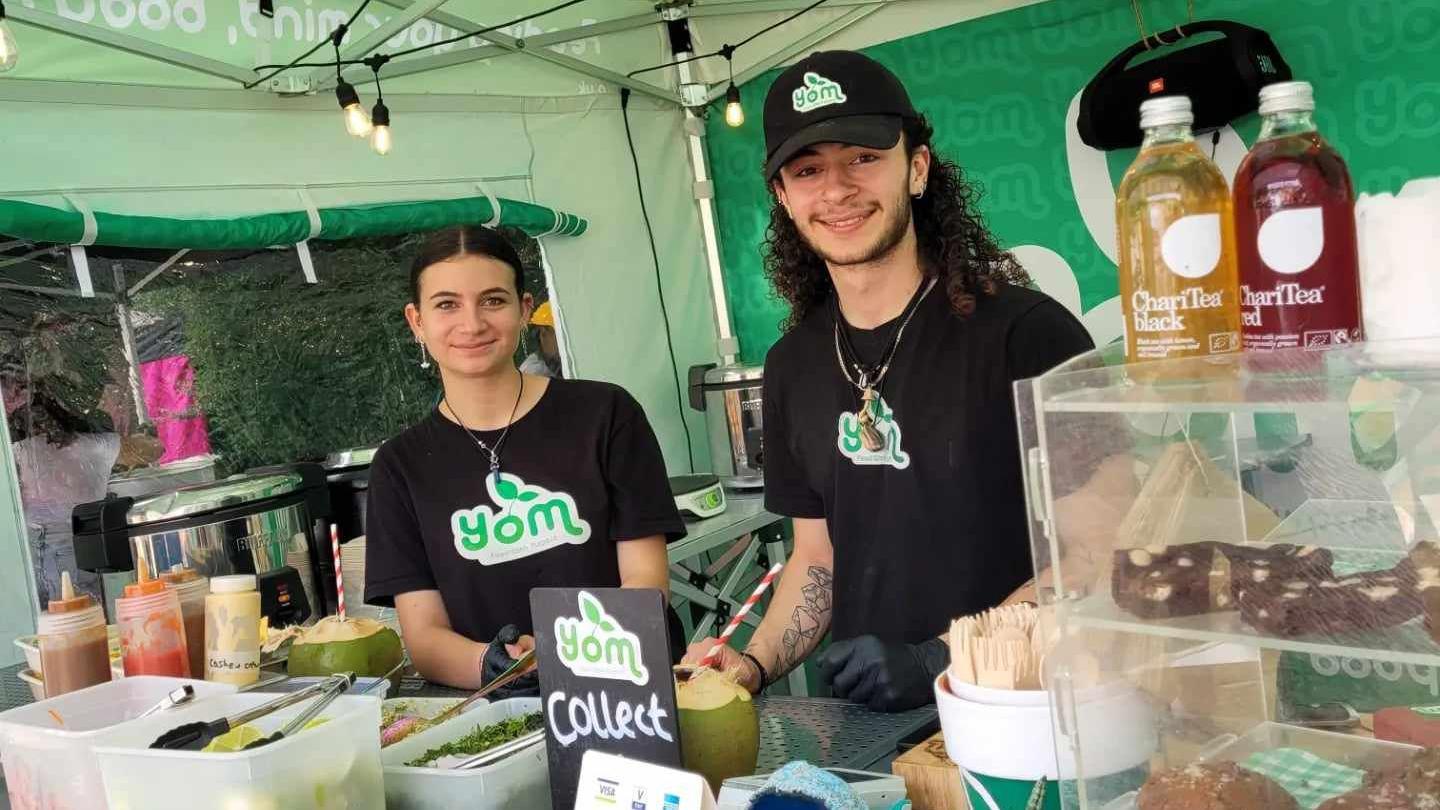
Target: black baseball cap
[[833, 97]]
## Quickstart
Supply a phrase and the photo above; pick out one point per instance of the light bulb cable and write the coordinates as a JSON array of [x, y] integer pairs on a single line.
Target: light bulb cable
[[728, 50], [339, 63], [659, 284]]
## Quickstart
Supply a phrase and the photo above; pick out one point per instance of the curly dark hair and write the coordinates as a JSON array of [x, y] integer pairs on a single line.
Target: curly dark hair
[[953, 242]]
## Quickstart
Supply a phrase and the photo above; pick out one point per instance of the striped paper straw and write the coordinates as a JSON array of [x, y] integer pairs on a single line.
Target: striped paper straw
[[709, 659], [339, 578]]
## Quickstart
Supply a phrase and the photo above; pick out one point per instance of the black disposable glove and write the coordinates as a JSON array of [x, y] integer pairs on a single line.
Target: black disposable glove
[[885, 676], [497, 659]]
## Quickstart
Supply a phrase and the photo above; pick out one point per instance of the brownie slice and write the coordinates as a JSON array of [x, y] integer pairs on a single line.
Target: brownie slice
[[1256, 565], [1425, 557], [1161, 582], [1222, 786], [1331, 606]]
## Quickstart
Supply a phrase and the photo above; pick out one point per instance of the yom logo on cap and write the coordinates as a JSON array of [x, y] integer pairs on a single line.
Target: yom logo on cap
[[817, 92]]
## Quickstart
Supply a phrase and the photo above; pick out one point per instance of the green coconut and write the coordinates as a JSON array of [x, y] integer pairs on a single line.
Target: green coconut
[[362, 646], [719, 730]]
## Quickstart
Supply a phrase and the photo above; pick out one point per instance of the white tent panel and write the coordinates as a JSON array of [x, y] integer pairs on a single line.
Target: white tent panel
[[606, 279]]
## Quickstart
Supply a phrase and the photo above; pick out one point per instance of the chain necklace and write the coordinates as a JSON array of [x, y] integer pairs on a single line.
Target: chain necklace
[[872, 377], [492, 452]]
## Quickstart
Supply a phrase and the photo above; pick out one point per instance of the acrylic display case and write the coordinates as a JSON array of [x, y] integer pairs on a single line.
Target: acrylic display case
[[1246, 543]]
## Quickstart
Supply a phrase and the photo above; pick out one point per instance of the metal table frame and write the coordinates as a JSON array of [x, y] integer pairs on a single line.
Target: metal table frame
[[746, 531]]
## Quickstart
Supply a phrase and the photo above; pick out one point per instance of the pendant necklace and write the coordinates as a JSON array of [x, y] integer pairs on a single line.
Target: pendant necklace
[[869, 380], [492, 452]]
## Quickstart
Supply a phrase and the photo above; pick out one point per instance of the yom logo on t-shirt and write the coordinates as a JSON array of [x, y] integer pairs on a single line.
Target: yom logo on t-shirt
[[526, 520], [852, 448]]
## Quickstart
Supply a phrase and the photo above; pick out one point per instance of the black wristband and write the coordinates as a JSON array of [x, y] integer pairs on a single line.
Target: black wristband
[[764, 676]]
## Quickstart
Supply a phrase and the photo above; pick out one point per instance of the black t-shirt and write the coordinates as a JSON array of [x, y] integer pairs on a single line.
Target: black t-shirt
[[579, 473], [934, 526]]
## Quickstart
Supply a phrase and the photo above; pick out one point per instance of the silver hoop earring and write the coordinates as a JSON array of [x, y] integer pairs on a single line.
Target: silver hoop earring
[[424, 358]]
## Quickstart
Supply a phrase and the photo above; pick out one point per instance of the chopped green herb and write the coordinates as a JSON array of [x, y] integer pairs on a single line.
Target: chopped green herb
[[483, 738]]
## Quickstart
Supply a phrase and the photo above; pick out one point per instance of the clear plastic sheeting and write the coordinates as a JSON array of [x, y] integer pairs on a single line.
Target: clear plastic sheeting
[[237, 361]]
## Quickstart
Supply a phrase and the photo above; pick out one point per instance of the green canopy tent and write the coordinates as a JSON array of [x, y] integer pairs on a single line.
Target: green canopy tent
[[139, 123]]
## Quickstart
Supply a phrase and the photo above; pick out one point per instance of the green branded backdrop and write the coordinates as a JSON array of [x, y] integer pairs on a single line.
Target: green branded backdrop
[[998, 90]]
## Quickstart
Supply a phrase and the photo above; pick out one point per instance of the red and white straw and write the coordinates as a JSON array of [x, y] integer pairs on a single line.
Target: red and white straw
[[710, 657], [339, 578]]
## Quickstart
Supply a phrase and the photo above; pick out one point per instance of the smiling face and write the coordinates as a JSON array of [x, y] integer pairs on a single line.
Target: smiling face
[[852, 203], [469, 315]]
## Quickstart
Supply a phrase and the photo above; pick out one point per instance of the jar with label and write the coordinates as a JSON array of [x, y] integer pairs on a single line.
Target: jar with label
[[152, 629], [232, 630], [1295, 231], [191, 589], [74, 649], [1179, 291]]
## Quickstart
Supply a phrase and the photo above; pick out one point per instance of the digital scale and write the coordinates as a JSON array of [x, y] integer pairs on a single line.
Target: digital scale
[[880, 791], [698, 496]]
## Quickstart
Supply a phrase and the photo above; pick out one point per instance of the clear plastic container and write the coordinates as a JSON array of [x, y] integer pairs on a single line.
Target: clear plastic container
[[53, 767], [333, 765], [232, 630], [74, 647], [152, 630], [191, 588], [1191, 566], [521, 781]]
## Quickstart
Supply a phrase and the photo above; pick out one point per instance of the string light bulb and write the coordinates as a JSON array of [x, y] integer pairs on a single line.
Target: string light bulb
[[357, 123], [734, 113], [9, 52], [381, 140]]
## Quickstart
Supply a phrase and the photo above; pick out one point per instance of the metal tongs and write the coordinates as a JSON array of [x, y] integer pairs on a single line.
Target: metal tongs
[[501, 751], [334, 687], [195, 736], [522, 667]]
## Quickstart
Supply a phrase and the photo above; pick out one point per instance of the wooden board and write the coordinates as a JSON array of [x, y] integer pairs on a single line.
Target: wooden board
[[932, 781]]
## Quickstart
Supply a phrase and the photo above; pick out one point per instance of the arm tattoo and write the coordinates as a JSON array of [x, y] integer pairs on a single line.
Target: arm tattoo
[[809, 621]]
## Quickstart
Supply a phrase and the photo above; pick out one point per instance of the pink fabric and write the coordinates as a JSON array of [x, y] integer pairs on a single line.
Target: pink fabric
[[170, 400]]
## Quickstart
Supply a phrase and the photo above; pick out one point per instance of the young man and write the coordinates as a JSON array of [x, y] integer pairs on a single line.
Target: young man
[[890, 429]]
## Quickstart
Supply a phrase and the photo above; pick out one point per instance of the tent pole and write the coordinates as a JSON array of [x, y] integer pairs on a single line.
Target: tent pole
[[126, 42], [704, 196], [359, 74], [127, 343], [799, 46], [517, 45]]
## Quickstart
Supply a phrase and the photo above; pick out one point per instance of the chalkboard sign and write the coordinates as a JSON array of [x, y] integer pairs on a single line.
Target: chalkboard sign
[[605, 679]]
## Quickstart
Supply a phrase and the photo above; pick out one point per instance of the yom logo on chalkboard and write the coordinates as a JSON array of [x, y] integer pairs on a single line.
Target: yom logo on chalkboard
[[594, 645]]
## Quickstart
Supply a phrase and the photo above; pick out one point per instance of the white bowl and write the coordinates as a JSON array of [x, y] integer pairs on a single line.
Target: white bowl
[[37, 684], [31, 647], [1017, 740]]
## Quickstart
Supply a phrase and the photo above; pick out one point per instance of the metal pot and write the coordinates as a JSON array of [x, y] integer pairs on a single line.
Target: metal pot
[[731, 396], [255, 523], [164, 477], [347, 474]]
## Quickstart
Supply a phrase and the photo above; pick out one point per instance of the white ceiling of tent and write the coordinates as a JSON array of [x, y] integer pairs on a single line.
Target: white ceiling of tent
[[585, 49]]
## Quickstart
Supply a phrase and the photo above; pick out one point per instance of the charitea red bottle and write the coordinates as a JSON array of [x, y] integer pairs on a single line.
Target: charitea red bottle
[[1295, 231]]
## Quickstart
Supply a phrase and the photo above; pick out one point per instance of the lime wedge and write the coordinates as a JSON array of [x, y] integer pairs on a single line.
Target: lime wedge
[[233, 740]]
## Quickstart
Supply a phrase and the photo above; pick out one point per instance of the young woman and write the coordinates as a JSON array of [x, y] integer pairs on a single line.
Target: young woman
[[513, 482]]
